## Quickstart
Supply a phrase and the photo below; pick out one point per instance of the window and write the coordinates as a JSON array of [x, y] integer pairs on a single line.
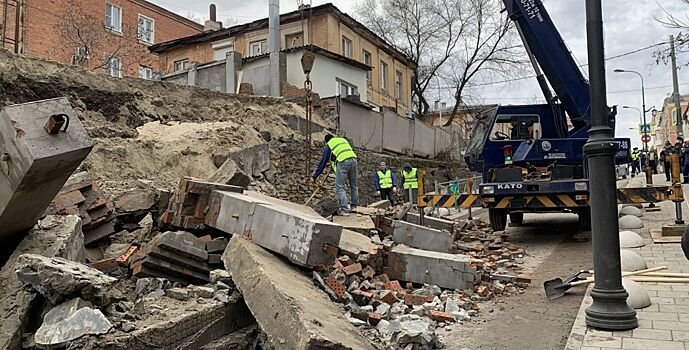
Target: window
[[383, 76], [181, 65], [514, 127], [345, 89], [367, 60], [398, 85], [145, 72], [346, 47], [114, 67], [258, 47], [294, 40], [113, 18], [146, 29]]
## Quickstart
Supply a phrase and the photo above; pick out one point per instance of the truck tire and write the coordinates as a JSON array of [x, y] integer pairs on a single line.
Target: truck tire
[[517, 218], [498, 219], [585, 219]]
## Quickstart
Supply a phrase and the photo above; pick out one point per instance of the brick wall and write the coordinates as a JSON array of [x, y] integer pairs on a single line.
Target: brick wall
[[43, 18]]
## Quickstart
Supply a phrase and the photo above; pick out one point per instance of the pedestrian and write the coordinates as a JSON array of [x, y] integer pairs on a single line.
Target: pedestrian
[[666, 154], [386, 183], [635, 161], [338, 150], [653, 160], [685, 162], [411, 182]]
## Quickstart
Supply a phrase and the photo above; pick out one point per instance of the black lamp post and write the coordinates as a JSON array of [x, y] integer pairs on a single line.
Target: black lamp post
[[609, 310]]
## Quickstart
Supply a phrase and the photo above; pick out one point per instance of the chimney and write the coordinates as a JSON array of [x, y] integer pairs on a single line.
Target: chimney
[[212, 23]]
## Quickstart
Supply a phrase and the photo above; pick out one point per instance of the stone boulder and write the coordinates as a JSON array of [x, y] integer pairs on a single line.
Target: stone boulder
[[69, 321]]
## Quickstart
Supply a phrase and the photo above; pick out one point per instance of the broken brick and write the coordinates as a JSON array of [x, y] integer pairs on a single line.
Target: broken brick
[[352, 269], [336, 286], [393, 286], [415, 299], [124, 258], [523, 279], [338, 265], [106, 266], [368, 272], [345, 260], [482, 291], [374, 318], [206, 238], [388, 297], [441, 316]]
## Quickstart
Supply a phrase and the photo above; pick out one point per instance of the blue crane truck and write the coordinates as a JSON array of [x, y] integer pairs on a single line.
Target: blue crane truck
[[530, 156]]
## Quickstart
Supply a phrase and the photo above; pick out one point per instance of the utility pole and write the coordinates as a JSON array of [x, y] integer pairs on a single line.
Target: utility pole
[[19, 28], [609, 310], [675, 83]]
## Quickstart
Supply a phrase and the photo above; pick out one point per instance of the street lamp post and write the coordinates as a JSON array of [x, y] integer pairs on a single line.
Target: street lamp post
[[609, 309], [643, 102]]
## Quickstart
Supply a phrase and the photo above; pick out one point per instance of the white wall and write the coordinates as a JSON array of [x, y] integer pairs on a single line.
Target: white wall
[[324, 75]]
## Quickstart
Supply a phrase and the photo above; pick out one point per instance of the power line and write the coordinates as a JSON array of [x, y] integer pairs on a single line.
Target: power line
[[609, 92]]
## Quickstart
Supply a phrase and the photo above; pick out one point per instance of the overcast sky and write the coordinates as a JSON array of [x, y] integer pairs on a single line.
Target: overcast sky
[[629, 25]]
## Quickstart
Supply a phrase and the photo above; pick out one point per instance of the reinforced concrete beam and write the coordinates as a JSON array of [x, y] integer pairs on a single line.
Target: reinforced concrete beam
[[421, 237], [452, 271]]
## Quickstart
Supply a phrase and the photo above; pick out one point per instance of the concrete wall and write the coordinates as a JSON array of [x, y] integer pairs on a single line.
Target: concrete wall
[[257, 73], [212, 77], [363, 126], [399, 133], [424, 140]]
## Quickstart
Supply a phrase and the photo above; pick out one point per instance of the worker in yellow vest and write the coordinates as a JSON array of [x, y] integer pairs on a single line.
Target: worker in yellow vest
[[411, 182], [386, 184], [337, 150]]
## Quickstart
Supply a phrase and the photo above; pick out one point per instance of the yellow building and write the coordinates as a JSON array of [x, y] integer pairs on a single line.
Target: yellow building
[[388, 83]]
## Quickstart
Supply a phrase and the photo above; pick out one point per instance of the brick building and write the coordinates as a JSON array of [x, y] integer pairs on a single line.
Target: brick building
[[387, 84], [665, 122], [114, 35]]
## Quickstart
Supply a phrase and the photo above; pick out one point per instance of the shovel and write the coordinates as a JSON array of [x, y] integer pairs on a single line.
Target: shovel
[[556, 288]]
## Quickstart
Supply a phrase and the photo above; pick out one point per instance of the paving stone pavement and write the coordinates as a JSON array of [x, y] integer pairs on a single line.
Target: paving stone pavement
[[665, 324]]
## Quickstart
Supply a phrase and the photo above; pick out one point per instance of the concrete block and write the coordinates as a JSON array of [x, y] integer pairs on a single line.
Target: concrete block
[[452, 271], [38, 163], [354, 243], [216, 245], [381, 204], [355, 222], [287, 305], [421, 237], [299, 235], [438, 224]]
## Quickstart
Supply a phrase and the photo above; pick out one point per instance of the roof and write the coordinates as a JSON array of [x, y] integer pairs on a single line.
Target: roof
[[320, 51], [171, 14], [284, 18]]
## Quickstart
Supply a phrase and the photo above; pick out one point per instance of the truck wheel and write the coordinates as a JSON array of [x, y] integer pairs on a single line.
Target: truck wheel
[[498, 219], [585, 219], [517, 218]]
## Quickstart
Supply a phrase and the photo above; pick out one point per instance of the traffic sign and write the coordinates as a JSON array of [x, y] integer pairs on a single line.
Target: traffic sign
[[646, 138], [646, 129]]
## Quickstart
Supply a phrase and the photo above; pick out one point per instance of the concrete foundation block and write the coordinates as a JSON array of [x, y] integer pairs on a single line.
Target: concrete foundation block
[[438, 224], [421, 237], [355, 222], [287, 306], [354, 243], [638, 297], [451, 271], [38, 163]]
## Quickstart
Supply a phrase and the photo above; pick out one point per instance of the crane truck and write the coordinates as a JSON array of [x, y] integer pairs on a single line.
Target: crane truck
[[530, 156]]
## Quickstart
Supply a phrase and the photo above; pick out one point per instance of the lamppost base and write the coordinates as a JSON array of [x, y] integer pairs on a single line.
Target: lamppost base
[[610, 311]]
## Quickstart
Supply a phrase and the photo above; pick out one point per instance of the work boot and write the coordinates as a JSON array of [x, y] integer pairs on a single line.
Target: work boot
[[342, 213]]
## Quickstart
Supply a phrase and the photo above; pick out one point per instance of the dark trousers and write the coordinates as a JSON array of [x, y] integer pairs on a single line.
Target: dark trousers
[[654, 166], [386, 193], [414, 194], [635, 167], [668, 170]]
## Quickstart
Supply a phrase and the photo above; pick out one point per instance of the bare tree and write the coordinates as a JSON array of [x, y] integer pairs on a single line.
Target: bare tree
[[88, 43], [487, 49], [426, 31], [673, 21]]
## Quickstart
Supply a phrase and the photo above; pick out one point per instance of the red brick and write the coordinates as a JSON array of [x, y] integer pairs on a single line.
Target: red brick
[[523, 279], [352, 269], [441, 316], [336, 286], [393, 286], [124, 258], [205, 238], [414, 299], [482, 291], [364, 294], [338, 265], [388, 297], [374, 318], [106, 266]]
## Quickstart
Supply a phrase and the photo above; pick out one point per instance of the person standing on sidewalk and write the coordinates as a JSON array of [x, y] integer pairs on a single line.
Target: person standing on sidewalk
[[386, 183], [653, 160], [685, 162], [635, 161], [411, 182], [339, 151], [665, 155]]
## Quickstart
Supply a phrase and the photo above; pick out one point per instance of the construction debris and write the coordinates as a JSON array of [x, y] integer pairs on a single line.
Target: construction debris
[[69, 321], [422, 237]]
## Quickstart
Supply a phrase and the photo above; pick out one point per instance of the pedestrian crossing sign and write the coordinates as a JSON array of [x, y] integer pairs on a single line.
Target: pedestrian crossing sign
[[646, 129]]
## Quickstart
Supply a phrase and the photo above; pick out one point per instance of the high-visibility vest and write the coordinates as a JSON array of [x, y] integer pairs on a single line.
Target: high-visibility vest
[[385, 179], [341, 149], [635, 155], [410, 179]]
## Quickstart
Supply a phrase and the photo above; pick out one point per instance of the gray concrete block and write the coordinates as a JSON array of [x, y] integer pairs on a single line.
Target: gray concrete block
[[438, 224], [287, 306], [297, 234], [451, 271], [183, 243], [421, 237], [39, 163], [354, 243]]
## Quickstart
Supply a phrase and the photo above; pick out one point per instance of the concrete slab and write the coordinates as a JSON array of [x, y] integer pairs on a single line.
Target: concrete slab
[[451, 271], [291, 231], [421, 237], [438, 224], [59, 236], [38, 163], [354, 243], [355, 222], [287, 306]]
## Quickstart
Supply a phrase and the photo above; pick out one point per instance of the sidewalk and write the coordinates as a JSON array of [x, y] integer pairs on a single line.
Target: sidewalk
[[665, 324]]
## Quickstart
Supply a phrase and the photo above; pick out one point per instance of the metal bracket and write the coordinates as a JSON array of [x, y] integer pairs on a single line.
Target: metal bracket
[[56, 122]]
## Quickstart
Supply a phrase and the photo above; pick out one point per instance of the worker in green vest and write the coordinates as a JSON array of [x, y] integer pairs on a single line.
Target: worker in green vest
[[411, 182], [386, 184], [636, 168], [337, 150]]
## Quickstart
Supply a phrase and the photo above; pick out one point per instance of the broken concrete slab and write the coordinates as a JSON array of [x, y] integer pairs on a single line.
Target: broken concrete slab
[[421, 237], [58, 279], [354, 243], [436, 223], [355, 222], [452, 271], [53, 236], [82, 322], [36, 163], [384, 204], [286, 304], [253, 160], [294, 231], [230, 174]]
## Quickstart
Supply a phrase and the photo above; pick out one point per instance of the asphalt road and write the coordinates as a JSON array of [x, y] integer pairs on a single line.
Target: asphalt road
[[529, 320]]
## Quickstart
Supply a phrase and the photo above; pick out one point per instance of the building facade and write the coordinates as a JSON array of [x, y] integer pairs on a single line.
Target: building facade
[[387, 84], [665, 121], [109, 36]]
